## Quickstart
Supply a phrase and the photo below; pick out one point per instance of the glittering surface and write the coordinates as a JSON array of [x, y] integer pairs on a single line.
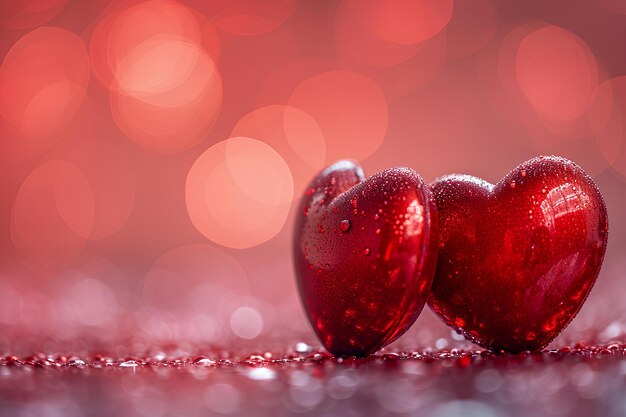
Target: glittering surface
[[364, 255], [518, 259], [580, 380]]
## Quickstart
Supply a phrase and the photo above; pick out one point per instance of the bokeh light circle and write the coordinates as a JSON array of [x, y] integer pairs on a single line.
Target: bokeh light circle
[[127, 24], [350, 108], [294, 134], [43, 80], [25, 14], [409, 22], [92, 301], [238, 193], [53, 210], [168, 94], [556, 72], [246, 323]]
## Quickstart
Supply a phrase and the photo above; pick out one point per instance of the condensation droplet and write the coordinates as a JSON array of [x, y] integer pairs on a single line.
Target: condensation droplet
[[367, 251], [344, 226]]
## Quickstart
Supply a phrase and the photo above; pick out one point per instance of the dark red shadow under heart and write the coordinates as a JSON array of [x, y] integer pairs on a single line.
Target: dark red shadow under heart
[[518, 259], [364, 253]]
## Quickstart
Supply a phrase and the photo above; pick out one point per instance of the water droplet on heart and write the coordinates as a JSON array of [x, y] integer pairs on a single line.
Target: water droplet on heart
[[367, 251], [377, 231], [376, 216], [512, 184], [320, 228], [344, 226], [523, 173], [306, 211]]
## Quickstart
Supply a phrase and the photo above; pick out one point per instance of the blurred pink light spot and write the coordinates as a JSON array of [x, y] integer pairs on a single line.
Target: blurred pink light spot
[[43, 80], [177, 276], [239, 192], [168, 94], [126, 24], [294, 134], [556, 72], [608, 116], [25, 14], [93, 302], [52, 212], [246, 322], [350, 108], [245, 17], [409, 21]]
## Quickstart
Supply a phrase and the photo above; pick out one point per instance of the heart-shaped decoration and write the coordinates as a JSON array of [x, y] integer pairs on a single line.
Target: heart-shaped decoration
[[518, 259], [365, 252]]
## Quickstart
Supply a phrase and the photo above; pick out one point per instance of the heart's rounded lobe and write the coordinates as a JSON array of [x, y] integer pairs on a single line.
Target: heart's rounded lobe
[[364, 252], [518, 259]]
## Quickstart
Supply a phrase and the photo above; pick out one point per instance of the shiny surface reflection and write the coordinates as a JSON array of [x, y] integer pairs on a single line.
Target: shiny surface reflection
[[578, 381]]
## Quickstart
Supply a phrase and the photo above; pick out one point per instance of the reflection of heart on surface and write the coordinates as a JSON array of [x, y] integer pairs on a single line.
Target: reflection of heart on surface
[[364, 252], [518, 259]]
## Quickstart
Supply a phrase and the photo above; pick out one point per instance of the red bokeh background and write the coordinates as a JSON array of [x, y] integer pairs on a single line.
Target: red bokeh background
[[153, 152]]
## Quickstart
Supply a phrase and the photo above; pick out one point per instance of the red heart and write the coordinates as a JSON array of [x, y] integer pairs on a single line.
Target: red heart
[[364, 253], [518, 259]]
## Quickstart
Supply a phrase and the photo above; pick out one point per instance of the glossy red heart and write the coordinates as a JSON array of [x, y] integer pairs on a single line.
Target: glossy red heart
[[364, 253], [518, 259]]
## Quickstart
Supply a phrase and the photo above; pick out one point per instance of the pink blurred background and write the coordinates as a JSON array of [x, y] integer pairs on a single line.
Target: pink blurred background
[[152, 152]]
